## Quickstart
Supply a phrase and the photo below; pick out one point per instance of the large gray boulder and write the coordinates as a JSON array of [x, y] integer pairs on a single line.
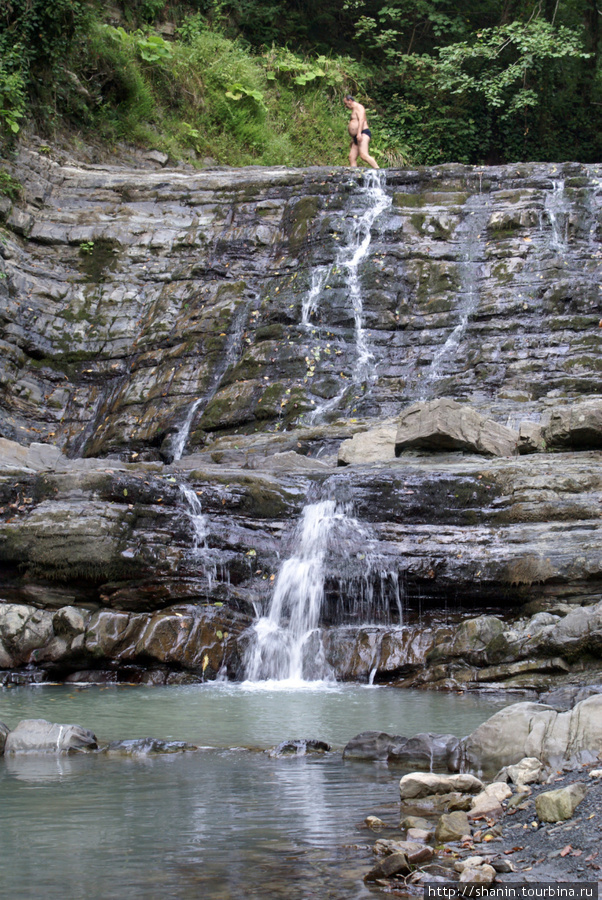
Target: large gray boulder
[[423, 750], [533, 730], [415, 785], [444, 425], [40, 736], [578, 427], [37, 456]]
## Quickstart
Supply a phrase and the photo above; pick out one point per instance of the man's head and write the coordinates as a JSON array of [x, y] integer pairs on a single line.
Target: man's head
[[348, 100]]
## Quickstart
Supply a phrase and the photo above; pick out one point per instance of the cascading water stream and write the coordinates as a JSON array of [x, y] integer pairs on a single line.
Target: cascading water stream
[[556, 210], [196, 515], [349, 260], [286, 644], [280, 637], [200, 530]]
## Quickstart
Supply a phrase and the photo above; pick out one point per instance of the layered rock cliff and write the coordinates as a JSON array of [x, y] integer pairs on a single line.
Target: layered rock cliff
[[198, 345]]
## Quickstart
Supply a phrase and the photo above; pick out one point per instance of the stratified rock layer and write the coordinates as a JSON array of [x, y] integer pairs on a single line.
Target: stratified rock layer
[[148, 314]]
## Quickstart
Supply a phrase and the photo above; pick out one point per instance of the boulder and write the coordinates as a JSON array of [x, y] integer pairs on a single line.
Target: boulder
[[369, 745], [444, 425], [4, 732], [530, 438], [374, 445], [474, 636], [527, 771], [394, 864], [489, 802], [578, 427], [424, 749], [423, 784], [558, 805], [452, 826], [534, 730], [484, 874], [36, 456], [40, 736]]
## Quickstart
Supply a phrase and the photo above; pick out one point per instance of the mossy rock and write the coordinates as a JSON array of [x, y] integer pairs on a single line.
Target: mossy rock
[[297, 220], [407, 200], [96, 257]]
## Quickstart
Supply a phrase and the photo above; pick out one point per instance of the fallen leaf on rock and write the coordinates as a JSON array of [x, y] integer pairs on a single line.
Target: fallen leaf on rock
[[514, 850], [577, 852], [566, 850], [591, 856]]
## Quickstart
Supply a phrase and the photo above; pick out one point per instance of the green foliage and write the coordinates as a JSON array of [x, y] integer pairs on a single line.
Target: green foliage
[[150, 47], [261, 81], [36, 38], [506, 64], [9, 186]]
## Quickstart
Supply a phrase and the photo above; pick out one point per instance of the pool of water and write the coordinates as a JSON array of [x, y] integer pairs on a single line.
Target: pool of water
[[222, 823]]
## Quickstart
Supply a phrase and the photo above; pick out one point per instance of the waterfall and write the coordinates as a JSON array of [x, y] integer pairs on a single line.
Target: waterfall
[[281, 637], [286, 643], [351, 257], [556, 209], [200, 529], [348, 260], [197, 518]]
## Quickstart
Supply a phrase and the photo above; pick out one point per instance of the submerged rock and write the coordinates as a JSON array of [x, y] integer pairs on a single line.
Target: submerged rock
[[394, 864], [299, 748], [426, 749], [146, 747]]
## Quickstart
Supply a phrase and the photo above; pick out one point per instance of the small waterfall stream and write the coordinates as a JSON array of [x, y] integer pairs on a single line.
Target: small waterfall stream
[[280, 638], [349, 260], [286, 643], [556, 211]]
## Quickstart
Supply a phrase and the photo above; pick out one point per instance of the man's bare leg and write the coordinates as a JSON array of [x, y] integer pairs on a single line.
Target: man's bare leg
[[363, 144], [353, 154]]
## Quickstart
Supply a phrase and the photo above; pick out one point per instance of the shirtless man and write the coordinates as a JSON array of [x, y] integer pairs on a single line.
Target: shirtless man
[[359, 132]]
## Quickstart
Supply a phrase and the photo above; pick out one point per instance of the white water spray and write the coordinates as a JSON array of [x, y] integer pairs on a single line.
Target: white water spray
[[281, 637], [286, 644]]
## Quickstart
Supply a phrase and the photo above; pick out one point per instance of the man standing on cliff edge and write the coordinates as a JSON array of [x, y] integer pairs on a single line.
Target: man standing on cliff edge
[[359, 132]]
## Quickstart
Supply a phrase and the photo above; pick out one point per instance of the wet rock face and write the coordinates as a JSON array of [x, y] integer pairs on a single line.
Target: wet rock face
[[131, 297], [145, 315]]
